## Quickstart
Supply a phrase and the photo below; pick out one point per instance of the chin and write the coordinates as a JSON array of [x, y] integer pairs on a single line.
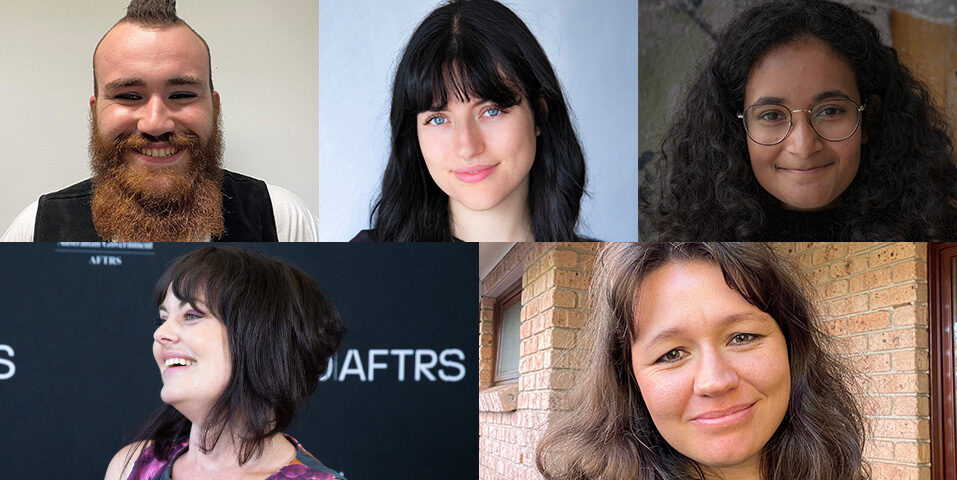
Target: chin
[[479, 203], [728, 452]]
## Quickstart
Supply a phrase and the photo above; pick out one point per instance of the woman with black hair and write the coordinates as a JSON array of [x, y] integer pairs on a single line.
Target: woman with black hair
[[482, 146], [803, 126], [241, 342]]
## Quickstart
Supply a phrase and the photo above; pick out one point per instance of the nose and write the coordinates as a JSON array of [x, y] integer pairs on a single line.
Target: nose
[[803, 141], [166, 334], [155, 117], [469, 141], [715, 376]]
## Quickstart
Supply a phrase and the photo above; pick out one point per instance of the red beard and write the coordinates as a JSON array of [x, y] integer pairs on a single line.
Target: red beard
[[133, 202]]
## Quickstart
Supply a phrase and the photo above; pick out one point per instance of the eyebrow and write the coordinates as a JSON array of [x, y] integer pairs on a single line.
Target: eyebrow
[[723, 323], [817, 98], [181, 303], [178, 80]]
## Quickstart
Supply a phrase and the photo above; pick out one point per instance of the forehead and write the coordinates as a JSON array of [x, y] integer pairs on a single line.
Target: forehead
[[134, 51], [800, 70], [688, 296]]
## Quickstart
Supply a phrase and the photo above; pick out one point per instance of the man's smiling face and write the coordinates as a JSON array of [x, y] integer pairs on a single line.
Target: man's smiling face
[[154, 92], [155, 142]]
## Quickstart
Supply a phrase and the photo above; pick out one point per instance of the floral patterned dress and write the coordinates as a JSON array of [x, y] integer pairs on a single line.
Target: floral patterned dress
[[303, 467]]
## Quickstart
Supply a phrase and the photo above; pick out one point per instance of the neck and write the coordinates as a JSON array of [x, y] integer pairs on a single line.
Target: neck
[[225, 454], [509, 221]]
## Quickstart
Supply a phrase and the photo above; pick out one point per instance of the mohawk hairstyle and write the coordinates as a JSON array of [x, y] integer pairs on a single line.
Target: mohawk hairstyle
[[152, 13]]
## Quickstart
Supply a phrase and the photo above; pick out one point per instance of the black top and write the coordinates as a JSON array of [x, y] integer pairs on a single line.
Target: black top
[[66, 215], [370, 236], [790, 225]]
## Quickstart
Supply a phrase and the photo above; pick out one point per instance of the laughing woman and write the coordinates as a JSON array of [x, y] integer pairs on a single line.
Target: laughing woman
[[802, 125], [482, 147], [706, 363], [241, 341]]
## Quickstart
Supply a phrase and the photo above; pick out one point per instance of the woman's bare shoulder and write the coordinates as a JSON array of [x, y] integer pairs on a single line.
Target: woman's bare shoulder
[[122, 463]]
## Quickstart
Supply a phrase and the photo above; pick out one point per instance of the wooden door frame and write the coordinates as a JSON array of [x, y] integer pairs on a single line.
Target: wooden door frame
[[943, 451]]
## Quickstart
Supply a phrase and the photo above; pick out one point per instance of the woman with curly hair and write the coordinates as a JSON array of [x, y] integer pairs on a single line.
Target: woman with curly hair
[[706, 362], [803, 126], [483, 147]]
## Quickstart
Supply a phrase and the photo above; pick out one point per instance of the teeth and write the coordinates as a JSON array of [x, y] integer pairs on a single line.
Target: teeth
[[178, 361], [158, 152]]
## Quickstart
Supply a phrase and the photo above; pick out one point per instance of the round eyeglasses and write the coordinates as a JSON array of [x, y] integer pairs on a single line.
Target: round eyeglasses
[[833, 120]]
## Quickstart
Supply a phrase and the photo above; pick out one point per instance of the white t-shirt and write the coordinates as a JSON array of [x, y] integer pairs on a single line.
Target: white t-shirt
[[294, 222]]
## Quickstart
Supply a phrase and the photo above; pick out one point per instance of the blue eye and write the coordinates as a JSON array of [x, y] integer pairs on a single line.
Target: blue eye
[[493, 112], [436, 121]]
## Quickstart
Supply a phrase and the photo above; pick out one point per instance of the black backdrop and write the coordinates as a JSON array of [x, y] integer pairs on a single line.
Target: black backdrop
[[77, 375]]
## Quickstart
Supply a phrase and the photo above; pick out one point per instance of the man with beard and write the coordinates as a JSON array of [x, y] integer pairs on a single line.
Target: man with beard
[[156, 149]]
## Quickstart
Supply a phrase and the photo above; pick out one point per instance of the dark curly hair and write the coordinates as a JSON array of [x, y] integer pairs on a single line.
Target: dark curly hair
[[480, 49], [609, 433], [905, 188]]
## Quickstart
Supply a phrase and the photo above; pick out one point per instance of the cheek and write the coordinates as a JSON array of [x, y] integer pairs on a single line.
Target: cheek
[[197, 119], [514, 140], [115, 121], [762, 159], [665, 394]]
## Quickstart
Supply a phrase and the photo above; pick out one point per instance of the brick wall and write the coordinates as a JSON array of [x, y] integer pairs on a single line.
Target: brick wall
[[512, 417], [875, 297]]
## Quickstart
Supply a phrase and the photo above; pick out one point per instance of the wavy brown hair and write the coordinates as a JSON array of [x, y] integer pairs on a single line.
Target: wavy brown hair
[[609, 434]]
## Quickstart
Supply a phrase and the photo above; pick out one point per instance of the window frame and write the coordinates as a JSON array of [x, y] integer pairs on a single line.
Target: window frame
[[943, 442], [509, 298]]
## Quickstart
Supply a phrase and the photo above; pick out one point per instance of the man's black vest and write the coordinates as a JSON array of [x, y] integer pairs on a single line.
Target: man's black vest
[[66, 216]]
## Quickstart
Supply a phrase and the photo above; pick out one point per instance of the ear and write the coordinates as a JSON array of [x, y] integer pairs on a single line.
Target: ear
[[92, 103], [215, 98]]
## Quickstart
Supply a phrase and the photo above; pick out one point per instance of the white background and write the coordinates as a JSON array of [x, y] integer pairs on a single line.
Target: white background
[[593, 46], [265, 67]]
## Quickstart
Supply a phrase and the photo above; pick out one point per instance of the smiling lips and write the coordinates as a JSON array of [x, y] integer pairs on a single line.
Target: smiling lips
[[805, 170], [474, 173], [159, 154], [175, 362], [724, 418]]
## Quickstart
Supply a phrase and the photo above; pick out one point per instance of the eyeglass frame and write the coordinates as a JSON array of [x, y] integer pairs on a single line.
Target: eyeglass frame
[[860, 110]]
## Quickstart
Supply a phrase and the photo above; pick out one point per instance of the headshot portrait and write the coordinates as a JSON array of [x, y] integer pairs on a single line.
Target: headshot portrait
[[261, 361], [703, 361], [478, 120], [189, 124], [798, 120]]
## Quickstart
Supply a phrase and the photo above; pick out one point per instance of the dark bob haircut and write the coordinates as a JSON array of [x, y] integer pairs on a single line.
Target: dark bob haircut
[[477, 49], [905, 188], [281, 331], [609, 433]]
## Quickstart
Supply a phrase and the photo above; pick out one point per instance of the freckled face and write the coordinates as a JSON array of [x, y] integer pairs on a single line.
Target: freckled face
[[712, 368], [191, 349], [477, 153], [804, 172]]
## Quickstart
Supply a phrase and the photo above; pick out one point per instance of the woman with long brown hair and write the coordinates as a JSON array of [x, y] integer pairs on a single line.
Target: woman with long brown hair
[[706, 362]]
